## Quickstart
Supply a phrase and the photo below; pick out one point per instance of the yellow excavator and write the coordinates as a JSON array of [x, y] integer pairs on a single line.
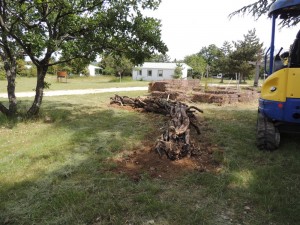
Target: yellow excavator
[[279, 103]]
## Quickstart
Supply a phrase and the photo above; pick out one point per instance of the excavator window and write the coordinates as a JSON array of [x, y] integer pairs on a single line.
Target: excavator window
[[294, 60]]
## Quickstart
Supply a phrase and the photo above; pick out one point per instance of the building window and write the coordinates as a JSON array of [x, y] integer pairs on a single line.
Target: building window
[[149, 73], [140, 72], [160, 73]]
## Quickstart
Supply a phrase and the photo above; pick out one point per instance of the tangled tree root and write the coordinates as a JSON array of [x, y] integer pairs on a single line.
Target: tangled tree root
[[175, 141]]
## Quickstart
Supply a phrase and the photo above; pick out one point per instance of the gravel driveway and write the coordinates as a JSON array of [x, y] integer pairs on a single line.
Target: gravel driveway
[[76, 92]]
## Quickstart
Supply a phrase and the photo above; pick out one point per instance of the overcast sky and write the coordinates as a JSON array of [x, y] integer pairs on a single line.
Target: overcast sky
[[189, 25]]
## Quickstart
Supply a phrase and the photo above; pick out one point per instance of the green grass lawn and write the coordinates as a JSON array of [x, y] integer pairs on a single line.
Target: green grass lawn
[[228, 81], [28, 84], [61, 172]]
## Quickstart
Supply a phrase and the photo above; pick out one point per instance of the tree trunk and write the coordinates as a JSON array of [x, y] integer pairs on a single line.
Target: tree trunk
[[4, 110], [11, 87], [240, 77], [222, 79], [39, 91], [10, 67], [256, 75]]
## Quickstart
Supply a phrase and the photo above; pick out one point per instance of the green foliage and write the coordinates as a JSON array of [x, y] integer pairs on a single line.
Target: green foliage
[[75, 66], [256, 9], [230, 59], [159, 58], [47, 85], [54, 67], [21, 67], [2, 75], [64, 67], [225, 63], [109, 71], [24, 69], [197, 63], [246, 50], [30, 72], [76, 30], [178, 71], [211, 55], [113, 65], [2, 71]]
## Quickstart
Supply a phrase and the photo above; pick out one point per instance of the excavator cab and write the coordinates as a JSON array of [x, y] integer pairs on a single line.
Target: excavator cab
[[279, 102]]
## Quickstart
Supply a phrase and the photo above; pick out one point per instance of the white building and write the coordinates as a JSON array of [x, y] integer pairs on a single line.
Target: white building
[[94, 70], [158, 71]]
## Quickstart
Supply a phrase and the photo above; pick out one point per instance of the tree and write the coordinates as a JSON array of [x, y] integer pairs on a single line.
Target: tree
[[197, 63], [224, 61], [75, 29], [159, 58], [9, 53], [178, 71], [211, 55], [75, 66], [21, 67], [256, 9], [24, 69], [247, 50], [261, 7], [114, 65]]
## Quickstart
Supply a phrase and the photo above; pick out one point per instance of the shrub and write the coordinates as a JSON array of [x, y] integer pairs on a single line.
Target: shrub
[[2, 75]]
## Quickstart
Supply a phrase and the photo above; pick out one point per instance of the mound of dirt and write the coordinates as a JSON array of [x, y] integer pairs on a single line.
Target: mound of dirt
[[146, 161]]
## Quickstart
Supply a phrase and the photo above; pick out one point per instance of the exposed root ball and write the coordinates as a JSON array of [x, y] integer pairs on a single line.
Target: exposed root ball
[[175, 141]]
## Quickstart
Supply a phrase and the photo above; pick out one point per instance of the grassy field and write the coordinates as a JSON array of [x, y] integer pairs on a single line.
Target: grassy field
[[228, 81], [61, 171], [28, 84]]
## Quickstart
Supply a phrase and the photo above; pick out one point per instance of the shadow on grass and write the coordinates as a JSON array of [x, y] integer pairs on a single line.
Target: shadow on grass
[[75, 185], [257, 187], [71, 183]]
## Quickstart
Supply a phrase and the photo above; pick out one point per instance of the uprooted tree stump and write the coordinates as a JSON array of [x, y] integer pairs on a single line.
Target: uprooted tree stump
[[175, 141]]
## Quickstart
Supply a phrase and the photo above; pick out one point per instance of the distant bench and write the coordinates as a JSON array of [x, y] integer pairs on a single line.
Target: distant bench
[[61, 75]]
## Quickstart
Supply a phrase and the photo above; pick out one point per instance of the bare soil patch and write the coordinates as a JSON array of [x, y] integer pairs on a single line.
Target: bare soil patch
[[145, 161]]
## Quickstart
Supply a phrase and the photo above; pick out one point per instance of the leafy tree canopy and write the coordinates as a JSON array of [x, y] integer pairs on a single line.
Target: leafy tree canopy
[[74, 29], [159, 58], [83, 28], [211, 55], [197, 63], [232, 57], [248, 50], [224, 63], [178, 71], [116, 65]]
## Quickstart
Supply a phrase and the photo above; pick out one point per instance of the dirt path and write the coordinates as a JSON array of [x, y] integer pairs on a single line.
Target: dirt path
[[76, 92]]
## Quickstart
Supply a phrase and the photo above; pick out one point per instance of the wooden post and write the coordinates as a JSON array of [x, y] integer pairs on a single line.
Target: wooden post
[[257, 64]]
